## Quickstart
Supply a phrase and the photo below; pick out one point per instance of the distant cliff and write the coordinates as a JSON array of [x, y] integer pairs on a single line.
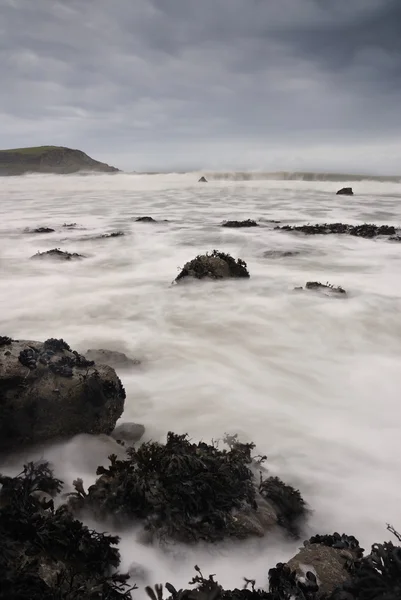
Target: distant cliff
[[49, 159]]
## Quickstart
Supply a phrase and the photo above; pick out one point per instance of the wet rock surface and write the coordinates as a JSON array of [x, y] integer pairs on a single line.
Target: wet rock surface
[[113, 358], [48, 391], [365, 231], [58, 254], [216, 265], [345, 191], [239, 224], [188, 492], [323, 288]]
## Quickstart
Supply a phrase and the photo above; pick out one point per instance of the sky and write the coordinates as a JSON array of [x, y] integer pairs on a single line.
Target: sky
[[206, 84]]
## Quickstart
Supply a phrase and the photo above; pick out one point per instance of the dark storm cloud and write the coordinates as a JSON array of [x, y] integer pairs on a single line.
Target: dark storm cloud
[[218, 80]]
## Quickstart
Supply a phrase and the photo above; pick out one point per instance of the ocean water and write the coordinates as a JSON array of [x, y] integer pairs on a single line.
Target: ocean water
[[314, 381]]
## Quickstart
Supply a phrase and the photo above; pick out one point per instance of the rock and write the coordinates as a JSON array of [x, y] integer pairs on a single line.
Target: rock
[[280, 253], [49, 392], [237, 224], [145, 220], [70, 225], [395, 238], [41, 230], [346, 191], [202, 180], [329, 565], [216, 265], [326, 289], [116, 360], [128, 432], [365, 231], [58, 254], [113, 234]]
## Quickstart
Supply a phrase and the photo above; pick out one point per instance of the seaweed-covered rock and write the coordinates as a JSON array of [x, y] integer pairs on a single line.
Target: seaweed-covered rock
[[238, 224], [189, 492], [117, 360], [216, 265], [145, 220], [46, 554], [113, 234], [58, 254], [128, 433], [48, 391], [324, 288], [5, 340], [41, 230], [345, 191], [202, 180], [365, 231]]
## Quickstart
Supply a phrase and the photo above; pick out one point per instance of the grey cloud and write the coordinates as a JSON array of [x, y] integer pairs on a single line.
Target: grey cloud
[[151, 79]]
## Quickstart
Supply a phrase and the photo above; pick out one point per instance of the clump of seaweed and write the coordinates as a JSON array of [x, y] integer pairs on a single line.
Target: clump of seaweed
[[59, 254], [46, 553], [5, 340], [238, 224], [56, 345], [183, 491], [291, 508], [366, 230], [216, 265], [29, 358]]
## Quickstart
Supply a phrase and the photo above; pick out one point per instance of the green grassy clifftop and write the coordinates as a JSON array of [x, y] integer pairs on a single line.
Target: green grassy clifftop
[[49, 159]]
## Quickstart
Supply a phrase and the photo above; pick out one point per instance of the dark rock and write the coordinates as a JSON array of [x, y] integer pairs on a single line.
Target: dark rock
[[287, 501], [280, 253], [46, 554], [117, 360], [5, 340], [365, 231], [395, 238], [189, 492], [145, 220], [237, 224], [216, 265], [48, 392], [202, 180], [58, 254], [113, 234], [129, 433], [326, 288], [346, 191], [70, 225], [41, 230]]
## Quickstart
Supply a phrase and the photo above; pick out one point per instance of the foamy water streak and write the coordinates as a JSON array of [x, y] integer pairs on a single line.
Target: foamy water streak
[[314, 382]]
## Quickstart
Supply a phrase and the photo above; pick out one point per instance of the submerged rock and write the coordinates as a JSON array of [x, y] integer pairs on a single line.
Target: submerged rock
[[48, 391], [113, 234], [47, 554], [237, 224], [365, 231], [325, 288], [345, 191], [202, 180], [117, 360], [280, 253], [216, 265], [41, 230], [58, 254], [145, 220], [189, 492]]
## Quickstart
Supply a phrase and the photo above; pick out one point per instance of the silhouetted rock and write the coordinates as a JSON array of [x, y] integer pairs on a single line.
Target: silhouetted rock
[[58, 254], [202, 180], [346, 191], [48, 391], [237, 224], [366, 230], [145, 220], [216, 265], [116, 360]]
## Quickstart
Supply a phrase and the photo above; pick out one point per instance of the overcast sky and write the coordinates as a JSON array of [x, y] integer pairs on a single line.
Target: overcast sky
[[217, 84]]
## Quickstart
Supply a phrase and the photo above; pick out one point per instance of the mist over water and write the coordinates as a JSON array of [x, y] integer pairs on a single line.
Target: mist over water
[[313, 381]]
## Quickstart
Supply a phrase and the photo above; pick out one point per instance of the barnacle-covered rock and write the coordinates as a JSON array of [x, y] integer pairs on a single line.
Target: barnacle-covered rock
[[48, 391], [365, 231], [216, 265], [47, 554], [188, 492], [238, 224]]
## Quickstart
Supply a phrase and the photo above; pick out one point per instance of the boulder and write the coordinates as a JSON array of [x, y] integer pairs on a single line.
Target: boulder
[[49, 392], [216, 265], [58, 254], [345, 191], [202, 180], [116, 360], [238, 224], [145, 220], [128, 433]]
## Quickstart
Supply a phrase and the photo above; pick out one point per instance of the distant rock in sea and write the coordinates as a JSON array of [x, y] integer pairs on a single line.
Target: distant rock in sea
[[49, 159], [202, 180], [216, 265], [346, 191], [238, 224], [58, 254]]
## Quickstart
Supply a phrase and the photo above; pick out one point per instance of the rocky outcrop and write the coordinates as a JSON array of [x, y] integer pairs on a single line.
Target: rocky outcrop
[[49, 159], [48, 391], [345, 191], [202, 180], [58, 254], [216, 265], [238, 224], [145, 220], [116, 360], [40, 230], [323, 288], [366, 230]]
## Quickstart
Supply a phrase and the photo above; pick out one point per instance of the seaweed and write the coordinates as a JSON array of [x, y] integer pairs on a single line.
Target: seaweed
[[29, 358], [56, 345], [5, 340], [366, 230], [48, 554], [291, 507]]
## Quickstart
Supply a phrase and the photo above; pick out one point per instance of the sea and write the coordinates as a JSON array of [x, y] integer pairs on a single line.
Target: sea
[[313, 381]]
